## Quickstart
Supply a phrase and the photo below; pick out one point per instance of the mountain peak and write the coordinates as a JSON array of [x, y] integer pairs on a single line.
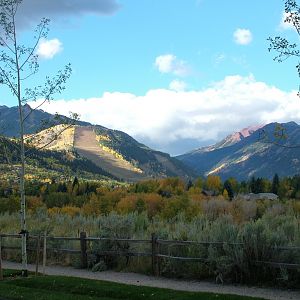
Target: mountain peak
[[245, 132], [243, 154], [239, 135], [232, 139]]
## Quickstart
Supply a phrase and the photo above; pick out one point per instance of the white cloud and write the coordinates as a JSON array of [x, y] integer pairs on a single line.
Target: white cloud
[[219, 58], [169, 63], [285, 25], [47, 49], [163, 118], [177, 85], [242, 36]]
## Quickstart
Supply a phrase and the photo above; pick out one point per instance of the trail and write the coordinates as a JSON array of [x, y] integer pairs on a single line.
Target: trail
[[161, 282]]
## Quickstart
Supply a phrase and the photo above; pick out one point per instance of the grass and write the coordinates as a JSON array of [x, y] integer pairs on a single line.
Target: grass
[[70, 288]]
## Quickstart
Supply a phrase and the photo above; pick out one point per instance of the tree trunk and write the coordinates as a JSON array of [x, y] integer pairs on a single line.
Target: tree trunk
[[22, 194]]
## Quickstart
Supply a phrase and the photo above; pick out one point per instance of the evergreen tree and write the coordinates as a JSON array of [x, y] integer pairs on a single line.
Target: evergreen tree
[[75, 184], [275, 184], [189, 184], [252, 185], [228, 187], [259, 186]]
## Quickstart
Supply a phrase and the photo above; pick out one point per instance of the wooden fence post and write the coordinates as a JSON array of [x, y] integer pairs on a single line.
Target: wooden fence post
[[38, 246], [83, 248], [1, 271], [44, 252], [155, 259]]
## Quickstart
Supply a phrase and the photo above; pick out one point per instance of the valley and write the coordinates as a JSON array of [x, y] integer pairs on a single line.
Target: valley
[[140, 137]]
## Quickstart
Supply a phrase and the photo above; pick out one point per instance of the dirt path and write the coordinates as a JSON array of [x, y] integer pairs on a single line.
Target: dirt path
[[181, 285], [87, 146]]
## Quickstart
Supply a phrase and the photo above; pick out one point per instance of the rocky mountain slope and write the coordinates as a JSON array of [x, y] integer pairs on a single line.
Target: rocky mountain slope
[[261, 152]]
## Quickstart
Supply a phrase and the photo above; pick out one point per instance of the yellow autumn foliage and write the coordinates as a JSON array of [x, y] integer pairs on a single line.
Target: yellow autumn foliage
[[115, 153], [103, 138], [58, 138], [70, 210]]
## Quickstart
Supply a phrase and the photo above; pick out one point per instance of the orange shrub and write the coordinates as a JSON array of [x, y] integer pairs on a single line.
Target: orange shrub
[[92, 207], [127, 204], [70, 210], [296, 207], [197, 197], [54, 211], [154, 203], [34, 202]]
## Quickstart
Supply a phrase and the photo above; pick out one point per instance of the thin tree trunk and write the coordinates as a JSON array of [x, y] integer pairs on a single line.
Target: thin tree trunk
[[22, 194], [22, 156], [44, 252], [1, 270]]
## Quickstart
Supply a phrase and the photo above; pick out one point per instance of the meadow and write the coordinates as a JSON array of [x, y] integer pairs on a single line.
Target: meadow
[[173, 210]]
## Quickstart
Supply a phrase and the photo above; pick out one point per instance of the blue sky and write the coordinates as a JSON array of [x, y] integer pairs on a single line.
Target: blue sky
[[188, 68]]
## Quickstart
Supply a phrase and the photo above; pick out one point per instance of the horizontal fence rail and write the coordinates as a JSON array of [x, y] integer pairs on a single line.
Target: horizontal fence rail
[[155, 252]]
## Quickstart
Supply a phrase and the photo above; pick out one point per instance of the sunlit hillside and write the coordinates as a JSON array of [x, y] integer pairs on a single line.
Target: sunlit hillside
[[58, 138]]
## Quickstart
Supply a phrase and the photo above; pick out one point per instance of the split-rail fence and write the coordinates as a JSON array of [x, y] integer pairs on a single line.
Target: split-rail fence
[[155, 253]]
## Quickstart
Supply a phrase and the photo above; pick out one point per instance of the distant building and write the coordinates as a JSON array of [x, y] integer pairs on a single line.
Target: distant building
[[209, 193], [259, 196]]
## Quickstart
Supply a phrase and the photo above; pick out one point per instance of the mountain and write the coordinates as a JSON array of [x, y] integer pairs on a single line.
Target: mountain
[[37, 120], [46, 164], [113, 151], [237, 137], [146, 162], [259, 151], [230, 139]]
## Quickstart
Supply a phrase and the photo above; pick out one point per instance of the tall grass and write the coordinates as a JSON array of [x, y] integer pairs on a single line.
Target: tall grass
[[261, 238]]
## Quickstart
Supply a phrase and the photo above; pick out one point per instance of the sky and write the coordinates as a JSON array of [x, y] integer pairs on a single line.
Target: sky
[[174, 74]]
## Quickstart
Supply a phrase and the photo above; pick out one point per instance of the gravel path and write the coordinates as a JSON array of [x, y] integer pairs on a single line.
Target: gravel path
[[182, 285]]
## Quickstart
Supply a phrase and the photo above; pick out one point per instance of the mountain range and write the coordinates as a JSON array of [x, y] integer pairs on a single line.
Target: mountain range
[[113, 151], [259, 151]]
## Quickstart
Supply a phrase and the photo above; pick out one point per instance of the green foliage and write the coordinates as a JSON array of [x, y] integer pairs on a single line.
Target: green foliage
[[113, 226], [285, 49], [259, 185], [213, 183], [229, 188], [10, 204], [275, 184], [174, 206], [44, 163], [57, 199], [136, 211], [227, 262]]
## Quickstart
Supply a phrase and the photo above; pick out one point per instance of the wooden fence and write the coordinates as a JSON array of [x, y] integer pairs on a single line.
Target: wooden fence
[[155, 244]]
